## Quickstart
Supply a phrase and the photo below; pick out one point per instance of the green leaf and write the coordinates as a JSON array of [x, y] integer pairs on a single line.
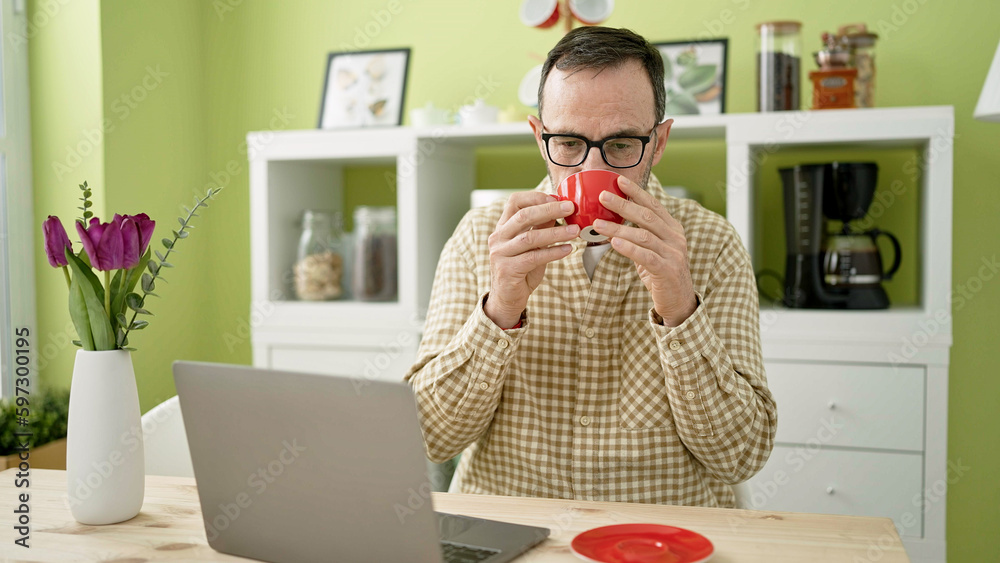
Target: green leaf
[[134, 302], [687, 58], [680, 103], [160, 256], [697, 79], [87, 214], [130, 349], [181, 221], [82, 255], [167, 243], [186, 209], [166, 265], [180, 234], [89, 275], [152, 267], [122, 321], [147, 283], [131, 278], [116, 294], [668, 67], [139, 325], [88, 203], [78, 343], [78, 312], [100, 325]]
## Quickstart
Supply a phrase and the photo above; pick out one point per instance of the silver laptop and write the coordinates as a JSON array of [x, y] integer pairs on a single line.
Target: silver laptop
[[299, 467]]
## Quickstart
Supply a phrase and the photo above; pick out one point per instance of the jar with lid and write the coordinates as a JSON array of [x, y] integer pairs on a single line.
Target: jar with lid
[[375, 253], [861, 44], [319, 268], [779, 60]]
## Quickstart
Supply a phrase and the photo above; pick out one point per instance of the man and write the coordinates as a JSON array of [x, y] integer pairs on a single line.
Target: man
[[628, 371]]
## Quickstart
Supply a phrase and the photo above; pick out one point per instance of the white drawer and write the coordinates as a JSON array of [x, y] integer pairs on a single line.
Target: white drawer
[[855, 405], [373, 362], [796, 479]]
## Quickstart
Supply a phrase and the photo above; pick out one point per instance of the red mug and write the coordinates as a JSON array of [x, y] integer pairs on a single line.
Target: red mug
[[584, 189]]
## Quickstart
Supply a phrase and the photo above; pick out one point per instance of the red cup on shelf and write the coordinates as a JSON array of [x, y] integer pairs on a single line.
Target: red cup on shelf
[[539, 13], [584, 190]]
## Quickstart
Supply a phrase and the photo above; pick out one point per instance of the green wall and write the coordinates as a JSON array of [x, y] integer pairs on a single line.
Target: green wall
[[67, 140], [236, 66]]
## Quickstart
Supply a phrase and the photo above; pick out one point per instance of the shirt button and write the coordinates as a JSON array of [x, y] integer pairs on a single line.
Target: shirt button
[[502, 343], [484, 386], [590, 332], [675, 344], [584, 421], [690, 395]]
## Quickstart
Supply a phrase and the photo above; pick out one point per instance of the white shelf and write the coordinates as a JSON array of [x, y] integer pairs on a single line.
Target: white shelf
[[435, 172]]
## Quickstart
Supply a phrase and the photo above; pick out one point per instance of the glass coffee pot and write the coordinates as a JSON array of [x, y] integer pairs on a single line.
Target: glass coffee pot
[[852, 260]]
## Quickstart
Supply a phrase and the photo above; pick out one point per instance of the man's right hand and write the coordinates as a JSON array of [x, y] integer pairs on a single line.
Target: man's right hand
[[520, 249]]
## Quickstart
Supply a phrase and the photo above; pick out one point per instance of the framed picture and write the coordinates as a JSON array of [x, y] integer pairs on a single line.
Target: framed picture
[[694, 73], [364, 89]]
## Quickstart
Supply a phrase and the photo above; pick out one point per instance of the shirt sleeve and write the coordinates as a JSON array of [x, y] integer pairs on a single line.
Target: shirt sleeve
[[459, 373], [715, 380]]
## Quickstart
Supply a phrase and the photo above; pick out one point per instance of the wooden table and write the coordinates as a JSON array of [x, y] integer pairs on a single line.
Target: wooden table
[[170, 527]]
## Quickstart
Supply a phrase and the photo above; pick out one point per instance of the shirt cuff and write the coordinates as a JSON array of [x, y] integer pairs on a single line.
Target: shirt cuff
[[492, 342], [692, 338]]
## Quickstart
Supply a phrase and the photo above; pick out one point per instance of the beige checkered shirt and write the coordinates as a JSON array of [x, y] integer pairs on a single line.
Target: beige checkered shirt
[[591, 398]]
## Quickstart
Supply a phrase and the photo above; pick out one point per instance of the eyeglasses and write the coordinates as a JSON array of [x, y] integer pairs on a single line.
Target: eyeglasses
[[623, 151]]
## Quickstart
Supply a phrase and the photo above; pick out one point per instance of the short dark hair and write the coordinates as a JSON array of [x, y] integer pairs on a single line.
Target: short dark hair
[[592, 47]]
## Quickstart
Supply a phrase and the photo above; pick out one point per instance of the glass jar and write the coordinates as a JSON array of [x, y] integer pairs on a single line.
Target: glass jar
[[779, 60], [375, 253], [319, 266], [861, 44]]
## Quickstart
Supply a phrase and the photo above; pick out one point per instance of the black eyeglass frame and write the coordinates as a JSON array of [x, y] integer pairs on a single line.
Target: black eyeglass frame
[[598, 145]]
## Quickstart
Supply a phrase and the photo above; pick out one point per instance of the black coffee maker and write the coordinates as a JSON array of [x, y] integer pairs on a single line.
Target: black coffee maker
[[841, 270]]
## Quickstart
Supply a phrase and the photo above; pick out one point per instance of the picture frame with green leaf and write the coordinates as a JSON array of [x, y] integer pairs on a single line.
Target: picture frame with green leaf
[[694, 74]]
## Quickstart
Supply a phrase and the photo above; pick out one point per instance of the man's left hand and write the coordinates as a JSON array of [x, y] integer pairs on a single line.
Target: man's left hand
[[657, 246]]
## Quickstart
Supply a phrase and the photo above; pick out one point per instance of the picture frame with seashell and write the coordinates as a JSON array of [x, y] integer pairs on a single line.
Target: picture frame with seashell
[[364, 89]]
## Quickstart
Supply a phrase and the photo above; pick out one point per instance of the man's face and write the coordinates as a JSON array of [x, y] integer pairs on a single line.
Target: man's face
[[597, 105]]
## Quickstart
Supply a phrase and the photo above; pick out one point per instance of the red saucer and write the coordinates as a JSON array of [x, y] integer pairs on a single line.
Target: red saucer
[[642, 543]]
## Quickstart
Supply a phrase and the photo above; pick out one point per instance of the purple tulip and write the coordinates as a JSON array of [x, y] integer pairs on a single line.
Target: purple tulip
[[130, 241], [145, 226], [118, 244], [103, 243], [56, 241]]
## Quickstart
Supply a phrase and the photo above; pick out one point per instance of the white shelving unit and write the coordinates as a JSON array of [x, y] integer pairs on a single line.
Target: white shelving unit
[[862, 395]]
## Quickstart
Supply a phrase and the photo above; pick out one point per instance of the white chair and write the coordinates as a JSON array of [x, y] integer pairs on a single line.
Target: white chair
[[165, 442], [743, 493]]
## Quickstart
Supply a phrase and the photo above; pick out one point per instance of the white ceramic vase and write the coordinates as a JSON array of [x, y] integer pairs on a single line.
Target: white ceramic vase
[[105, 466]]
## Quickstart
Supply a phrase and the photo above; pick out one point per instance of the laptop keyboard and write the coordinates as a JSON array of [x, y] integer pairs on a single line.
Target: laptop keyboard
[[461, 553]]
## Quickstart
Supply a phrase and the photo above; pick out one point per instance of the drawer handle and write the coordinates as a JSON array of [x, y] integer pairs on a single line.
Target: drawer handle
[[830, 490], [831, 405]]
